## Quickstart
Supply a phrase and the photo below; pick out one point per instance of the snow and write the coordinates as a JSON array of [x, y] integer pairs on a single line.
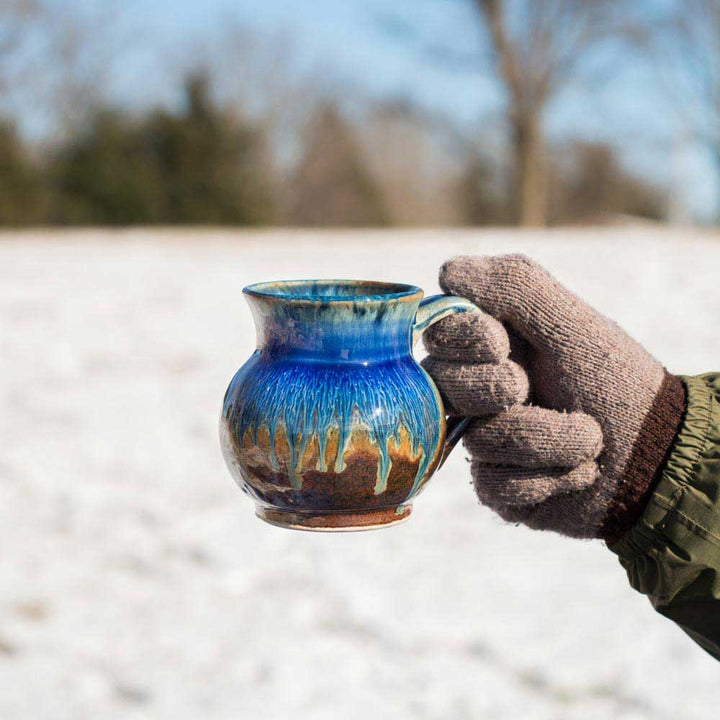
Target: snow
[[135, 581]]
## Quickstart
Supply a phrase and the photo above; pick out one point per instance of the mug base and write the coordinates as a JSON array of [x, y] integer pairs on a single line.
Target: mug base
[[335, 522]]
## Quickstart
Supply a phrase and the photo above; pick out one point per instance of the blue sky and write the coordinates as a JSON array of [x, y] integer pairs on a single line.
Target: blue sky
[[392, 48]]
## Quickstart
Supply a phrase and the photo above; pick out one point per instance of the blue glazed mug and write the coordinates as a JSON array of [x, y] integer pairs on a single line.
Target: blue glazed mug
[[332, 424]]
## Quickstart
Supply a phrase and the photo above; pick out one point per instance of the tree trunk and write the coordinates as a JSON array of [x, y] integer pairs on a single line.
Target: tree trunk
[[529, 182]]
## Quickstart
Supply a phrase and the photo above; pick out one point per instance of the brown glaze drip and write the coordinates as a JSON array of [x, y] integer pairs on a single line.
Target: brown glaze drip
[[353, 488]]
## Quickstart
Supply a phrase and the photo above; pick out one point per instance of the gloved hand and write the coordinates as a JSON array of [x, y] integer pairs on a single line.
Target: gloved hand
[[580, 458]]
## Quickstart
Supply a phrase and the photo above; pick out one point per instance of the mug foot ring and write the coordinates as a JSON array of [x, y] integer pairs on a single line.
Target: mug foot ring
[[335, 522]]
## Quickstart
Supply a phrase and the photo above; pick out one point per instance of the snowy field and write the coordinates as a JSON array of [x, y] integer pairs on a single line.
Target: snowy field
[[135, 581]]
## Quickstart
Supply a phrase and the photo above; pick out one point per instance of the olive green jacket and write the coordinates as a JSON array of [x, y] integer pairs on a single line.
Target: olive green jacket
[[672, 554]]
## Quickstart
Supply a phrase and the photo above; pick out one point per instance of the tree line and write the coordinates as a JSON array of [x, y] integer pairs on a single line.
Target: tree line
[[251, 141], [204, 164]]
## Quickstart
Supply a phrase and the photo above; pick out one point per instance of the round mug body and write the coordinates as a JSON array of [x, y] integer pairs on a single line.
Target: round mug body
[[332, 424]]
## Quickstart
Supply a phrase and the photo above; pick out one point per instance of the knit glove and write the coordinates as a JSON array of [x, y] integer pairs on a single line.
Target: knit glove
[[573, 418]]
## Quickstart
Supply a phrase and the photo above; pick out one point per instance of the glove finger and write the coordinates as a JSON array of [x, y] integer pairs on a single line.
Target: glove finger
[[585, 509], [476, 390], [534, 437], [469, 337], [518, 291], [503, 487]]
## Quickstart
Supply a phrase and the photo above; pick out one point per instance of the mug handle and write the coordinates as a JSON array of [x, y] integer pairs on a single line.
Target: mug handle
[[431, 310]]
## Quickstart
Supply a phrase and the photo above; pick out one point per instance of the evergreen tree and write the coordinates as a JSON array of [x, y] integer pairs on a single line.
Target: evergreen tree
[[196, 167], [213, 169], [107, 176], [21, 190]]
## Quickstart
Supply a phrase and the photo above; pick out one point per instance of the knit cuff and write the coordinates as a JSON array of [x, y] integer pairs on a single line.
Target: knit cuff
[[647, 459]]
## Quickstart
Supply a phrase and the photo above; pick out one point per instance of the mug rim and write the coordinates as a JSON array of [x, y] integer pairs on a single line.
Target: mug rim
[[377, 291]]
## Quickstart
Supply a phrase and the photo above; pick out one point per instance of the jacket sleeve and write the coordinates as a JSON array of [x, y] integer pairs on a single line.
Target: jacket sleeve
[[672, 554]]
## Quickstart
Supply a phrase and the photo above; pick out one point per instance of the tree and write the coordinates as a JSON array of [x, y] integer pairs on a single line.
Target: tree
[[79, 47], [198, 166], [106, 175], [538, 48], [17, 19], [21, 190], [481, 200], [591, 186], [687, 48], [56, 61], [213, 167], [332, 185], [414, 158]]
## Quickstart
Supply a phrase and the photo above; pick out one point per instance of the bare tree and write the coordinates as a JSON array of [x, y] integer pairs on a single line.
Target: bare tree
[[414, 163], [592, 186], [16, 18], [332, 185], [81, 47], [538, 48], [55, 61], [688, 63], [259, 78]]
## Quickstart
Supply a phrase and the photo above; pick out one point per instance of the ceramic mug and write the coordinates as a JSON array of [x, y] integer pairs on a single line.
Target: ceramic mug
[[332, 424]]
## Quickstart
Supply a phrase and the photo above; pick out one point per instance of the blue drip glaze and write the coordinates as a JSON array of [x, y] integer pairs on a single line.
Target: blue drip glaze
[[309, 400]]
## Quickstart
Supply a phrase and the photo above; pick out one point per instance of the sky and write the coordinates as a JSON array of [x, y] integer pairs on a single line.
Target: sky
[[408, 49]]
